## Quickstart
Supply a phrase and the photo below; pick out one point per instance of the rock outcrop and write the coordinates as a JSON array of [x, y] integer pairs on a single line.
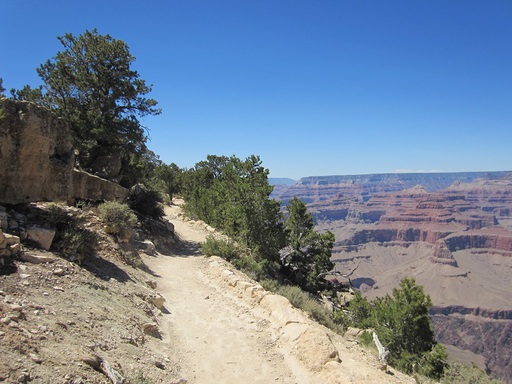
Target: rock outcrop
[[36, 154], [37, 160]]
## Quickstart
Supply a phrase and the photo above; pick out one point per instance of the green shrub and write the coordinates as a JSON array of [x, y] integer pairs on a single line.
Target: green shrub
[[77, 241], [146, 201], [402, 323], [220, 247], [57, 216], [71, 238], [117, 216], [270, 285], [366, 339], [309, 304]]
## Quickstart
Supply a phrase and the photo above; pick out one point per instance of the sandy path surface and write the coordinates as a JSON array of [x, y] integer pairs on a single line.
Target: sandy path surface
[[221, 337]]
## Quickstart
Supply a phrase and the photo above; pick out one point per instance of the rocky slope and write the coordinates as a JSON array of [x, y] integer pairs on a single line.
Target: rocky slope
[[456, 241]]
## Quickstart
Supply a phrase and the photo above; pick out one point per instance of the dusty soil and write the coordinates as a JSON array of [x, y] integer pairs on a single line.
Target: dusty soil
[[63, 323]]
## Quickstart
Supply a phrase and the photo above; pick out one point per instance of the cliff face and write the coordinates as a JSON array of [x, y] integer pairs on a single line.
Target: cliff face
[[36, 154], [37, 159], [452, 233]]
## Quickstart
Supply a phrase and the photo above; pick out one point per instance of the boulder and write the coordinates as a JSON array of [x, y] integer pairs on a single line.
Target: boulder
[[41, 236], [281, 310], [90, 187], [148, 246], [315, 348], [169, 226]]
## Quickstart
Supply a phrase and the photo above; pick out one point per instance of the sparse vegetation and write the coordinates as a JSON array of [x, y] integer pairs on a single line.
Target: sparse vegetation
[[117, 216], [312, 306], [140, 378], [459, 373], [71, 237]]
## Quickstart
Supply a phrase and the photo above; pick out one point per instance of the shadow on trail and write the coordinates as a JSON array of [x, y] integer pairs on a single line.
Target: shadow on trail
[[180, 248], [186, 248]]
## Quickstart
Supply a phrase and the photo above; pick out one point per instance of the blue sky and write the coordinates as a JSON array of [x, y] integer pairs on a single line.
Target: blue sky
[[312, 87]]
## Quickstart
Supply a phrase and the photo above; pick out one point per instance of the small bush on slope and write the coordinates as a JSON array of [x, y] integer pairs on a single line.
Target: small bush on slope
[[117, 216], [71, 237]]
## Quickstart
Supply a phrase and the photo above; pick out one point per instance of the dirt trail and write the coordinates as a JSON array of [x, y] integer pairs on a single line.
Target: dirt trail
[[221, 338]]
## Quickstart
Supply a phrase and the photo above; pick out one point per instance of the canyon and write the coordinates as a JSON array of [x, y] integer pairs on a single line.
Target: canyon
[[452, 232]]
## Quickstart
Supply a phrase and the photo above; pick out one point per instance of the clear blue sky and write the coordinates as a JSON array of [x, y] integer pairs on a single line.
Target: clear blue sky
[[313, 87]]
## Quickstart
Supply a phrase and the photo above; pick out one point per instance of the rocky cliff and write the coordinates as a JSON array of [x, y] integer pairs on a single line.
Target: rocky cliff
[[451, 232], [37, 159]]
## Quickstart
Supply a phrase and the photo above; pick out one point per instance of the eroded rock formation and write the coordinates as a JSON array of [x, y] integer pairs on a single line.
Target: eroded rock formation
[[37, 159], [36, 154]]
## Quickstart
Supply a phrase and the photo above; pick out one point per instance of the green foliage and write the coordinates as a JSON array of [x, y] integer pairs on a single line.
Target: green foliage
[[220, 247], [309, 304], [2, 89], [401, 321], [360, 312], [117, 216], [459, 373], [27, 93], [146, 201], [170, 177], [233, 196], [366, 339], [77, 241], [71, 237], [91, 84], [309, 252]]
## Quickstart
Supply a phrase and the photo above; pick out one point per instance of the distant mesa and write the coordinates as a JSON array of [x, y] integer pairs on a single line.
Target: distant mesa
[[281, 181]]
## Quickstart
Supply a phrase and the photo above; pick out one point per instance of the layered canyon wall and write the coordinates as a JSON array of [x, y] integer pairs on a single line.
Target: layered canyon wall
[[451, 232]]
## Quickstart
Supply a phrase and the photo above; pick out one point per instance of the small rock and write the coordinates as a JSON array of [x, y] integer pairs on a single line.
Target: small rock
[[15, 248], [159, 364], [58, 289], [180, 381], [148, 246], [16, 307], [151, 329], [35, 257], [59, 272], [24, 275], [36, 359], [151, 283]]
